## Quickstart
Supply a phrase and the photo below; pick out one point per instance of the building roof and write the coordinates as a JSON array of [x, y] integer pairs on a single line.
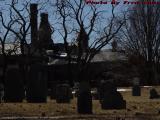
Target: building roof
[[108, 55], [102, 56]]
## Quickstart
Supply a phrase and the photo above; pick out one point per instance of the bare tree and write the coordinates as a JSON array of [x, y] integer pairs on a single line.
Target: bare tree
[[20, 18], [86, 20], [19, 15], [140, 36], [78, 17], [17, 25], [5, 33]]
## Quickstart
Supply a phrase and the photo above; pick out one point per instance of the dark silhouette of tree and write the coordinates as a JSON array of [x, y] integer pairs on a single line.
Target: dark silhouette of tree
[[85, 18], [4, 35], [140, 36], [19, 17], [20, 20], [16, 25], [114, 45], [78, 17]]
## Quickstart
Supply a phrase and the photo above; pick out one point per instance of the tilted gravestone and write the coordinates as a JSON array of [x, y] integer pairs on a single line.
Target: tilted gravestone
[[14, 88], [110, 98], [37, 84], [136, 89], [84, 99], [63, 93], [154, 94]]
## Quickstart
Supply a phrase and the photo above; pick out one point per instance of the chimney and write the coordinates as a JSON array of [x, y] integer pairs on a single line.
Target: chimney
[[44, 18], [34, 22], [45, 32]]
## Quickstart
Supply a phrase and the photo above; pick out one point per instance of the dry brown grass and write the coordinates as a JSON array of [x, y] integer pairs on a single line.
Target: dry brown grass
[[136, 106]]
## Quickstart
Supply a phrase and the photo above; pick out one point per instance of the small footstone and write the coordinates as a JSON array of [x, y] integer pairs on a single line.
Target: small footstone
[[136, 90]]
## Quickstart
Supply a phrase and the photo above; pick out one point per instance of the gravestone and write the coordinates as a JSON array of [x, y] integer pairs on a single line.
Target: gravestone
[[63, 94], [70, 93], [136, 89], [1, 92], [106, 87], [53, 90], [76, 89], [154, 94], [37, 84], [110, 98], [14, 89], [84, 99]]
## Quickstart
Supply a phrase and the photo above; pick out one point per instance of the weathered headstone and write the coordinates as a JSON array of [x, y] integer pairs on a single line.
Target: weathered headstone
[[1, 92], [136, 89], [84, 100], [14, 88], [110, 98], [53, 90], [63, 94], [70, 93], [76, 89], [106, 87], [113, 101], [154, 94], [37, 84]]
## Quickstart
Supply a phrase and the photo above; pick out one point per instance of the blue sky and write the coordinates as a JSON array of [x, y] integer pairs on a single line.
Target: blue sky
[[52, 17]]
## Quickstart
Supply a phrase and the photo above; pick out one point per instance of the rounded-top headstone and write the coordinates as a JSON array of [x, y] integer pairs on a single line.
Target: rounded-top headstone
[[154, 94]]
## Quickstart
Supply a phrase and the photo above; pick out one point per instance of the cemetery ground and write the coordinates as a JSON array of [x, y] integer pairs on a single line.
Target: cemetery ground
[[138, 108]]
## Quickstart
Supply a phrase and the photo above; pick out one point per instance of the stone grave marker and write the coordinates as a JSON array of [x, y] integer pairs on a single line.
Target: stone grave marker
[[110, 98], [76, 89], [63, 94], [53, 90], [37, 84], [136, 89], [106, 87], [154, 94], [70, 93], [1, 92], [84, 99], [14, 88]]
